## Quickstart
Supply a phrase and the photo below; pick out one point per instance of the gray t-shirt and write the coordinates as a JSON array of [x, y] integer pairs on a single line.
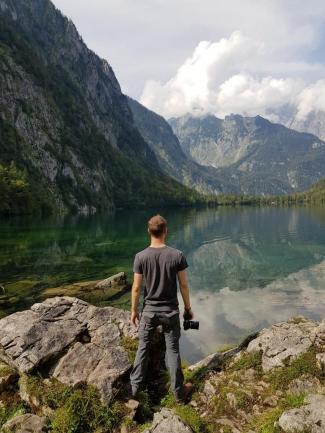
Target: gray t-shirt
[[159, 267]]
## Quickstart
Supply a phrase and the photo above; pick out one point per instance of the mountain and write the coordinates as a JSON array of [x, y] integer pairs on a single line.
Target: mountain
[[258, 156], [157, 132], [313, 123], [65, 124]]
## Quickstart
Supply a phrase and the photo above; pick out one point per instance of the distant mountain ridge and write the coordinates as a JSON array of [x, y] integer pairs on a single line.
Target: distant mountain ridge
[[172, 159], [260, 157]]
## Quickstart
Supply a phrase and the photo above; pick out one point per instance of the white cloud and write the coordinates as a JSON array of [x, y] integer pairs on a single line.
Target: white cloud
[[149, 39], [312, 98], [235, 75]]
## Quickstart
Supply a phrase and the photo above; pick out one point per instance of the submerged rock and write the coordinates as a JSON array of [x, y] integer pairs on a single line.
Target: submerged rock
[[71, 340], [93, 291], [166, 421]]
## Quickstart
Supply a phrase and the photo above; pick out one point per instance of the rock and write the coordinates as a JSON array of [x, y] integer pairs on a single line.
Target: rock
[[320, 359], [166, 421], [118, 279], [304, 385], [227, 423], [27, 423], [95, 365], [133, 406], [310, 417], [283, 342], [271, 401], [72, 340], [318, 336], [215, 360]]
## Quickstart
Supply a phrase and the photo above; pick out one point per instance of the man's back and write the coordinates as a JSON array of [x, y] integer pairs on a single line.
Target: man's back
[[159, 267]]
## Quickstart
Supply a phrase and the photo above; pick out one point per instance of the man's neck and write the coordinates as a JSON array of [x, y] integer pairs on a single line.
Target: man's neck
[[157, 242]]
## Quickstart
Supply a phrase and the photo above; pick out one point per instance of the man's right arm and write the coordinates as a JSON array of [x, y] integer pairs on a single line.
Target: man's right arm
[[185, 292]]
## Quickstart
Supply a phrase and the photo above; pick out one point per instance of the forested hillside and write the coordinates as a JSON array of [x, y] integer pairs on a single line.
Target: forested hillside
[[65, 124]]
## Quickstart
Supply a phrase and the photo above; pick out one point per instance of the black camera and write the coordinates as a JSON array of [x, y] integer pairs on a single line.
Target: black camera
[[189, 324]]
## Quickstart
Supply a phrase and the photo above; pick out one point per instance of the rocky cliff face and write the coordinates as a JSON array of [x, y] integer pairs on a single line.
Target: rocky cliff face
[[259, 156], [64, 120]]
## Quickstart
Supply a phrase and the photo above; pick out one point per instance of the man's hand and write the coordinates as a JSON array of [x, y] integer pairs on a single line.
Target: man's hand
[[135, 318], [188, 314]]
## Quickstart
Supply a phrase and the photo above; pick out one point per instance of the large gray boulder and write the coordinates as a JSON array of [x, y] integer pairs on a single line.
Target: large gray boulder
[[310, 417], [285, 341], [71, 339], [166, 421], [27, 423]]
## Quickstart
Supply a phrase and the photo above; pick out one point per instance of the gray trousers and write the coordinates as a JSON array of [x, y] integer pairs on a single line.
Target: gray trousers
[[172, 331]]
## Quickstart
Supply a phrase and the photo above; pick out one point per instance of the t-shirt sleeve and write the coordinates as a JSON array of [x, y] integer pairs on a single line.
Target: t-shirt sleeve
[[182, 263], [137, 265]]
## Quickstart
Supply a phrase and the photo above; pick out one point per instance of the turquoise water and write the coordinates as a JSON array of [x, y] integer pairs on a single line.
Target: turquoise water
[[248, 267]]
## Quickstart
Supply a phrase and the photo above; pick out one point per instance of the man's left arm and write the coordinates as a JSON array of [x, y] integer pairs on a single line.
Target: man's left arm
[[136, 290]]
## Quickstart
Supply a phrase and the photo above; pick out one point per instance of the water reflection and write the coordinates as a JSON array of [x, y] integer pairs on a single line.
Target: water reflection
[[248, 266], [228, 315]]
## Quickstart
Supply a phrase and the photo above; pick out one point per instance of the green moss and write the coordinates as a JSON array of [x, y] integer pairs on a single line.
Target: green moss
[[168, 400], [6, 413], [191, 417], [304, 364], [131, 347], [248, 360], [220, 405], [5, 369], [297, 319], [83, 412], [266, 422]]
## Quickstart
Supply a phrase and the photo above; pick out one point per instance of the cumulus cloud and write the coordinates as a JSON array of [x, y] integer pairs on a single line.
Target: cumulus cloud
[[233, 76]]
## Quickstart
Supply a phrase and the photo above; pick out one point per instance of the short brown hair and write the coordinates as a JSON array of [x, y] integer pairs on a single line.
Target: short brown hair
[[157, 226]]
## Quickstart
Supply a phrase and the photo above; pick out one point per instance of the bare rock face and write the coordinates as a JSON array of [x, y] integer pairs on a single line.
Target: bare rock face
[[310, 417], [284, 341], [25, 424], [166, 421], [70, 339]]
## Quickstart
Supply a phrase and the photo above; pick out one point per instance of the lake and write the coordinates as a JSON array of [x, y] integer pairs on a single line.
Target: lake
[[248, 267]]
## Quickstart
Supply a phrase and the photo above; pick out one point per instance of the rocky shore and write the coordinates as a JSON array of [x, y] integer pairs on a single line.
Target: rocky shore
[[64, 367]]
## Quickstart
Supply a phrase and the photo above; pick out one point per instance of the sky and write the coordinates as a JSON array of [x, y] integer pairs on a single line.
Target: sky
[[210, 56]]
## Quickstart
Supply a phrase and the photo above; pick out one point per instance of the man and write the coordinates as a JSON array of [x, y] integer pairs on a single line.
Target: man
[[159, 266]]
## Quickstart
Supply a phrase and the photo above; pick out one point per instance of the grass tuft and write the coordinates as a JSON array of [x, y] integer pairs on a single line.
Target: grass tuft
[[131, 347], [248, 360]]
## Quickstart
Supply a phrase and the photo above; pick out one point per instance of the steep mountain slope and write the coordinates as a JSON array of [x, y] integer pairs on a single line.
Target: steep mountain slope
[[65, 122], [163, 142], [259, 156]]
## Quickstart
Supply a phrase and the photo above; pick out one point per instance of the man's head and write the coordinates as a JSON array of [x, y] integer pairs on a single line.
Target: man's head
[[157, 227]]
